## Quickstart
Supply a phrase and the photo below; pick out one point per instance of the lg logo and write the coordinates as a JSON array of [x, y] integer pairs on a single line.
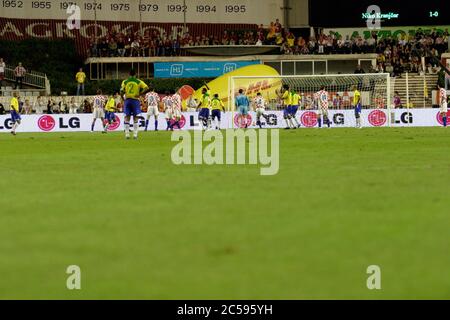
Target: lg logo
[[7, 124], [242, 124], [405, 118], [48, 123], [272, 120], [309, 119], [377, 118]]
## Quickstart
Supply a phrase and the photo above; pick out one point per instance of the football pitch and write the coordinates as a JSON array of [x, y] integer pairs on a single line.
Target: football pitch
[[140, 227]]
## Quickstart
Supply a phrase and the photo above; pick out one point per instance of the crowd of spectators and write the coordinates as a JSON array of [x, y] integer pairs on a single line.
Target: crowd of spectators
[[394, 53], [54, 105], [154, 43]]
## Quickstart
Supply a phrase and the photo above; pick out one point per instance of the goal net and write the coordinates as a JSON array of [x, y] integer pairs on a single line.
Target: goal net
[[374, 89]]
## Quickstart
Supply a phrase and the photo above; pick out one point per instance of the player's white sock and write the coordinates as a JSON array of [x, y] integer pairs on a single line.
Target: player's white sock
[[287, 122], [291, 123], [127, 129], [15, 125], [296, 121], [136, 129]]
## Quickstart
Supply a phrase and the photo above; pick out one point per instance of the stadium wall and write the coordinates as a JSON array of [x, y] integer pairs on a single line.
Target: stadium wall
[[155, 11], [20, 29], [308, 119]]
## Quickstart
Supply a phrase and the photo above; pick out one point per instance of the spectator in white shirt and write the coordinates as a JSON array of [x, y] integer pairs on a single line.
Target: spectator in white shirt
[[135, 45], [63, 107], [27, 108], [73, 107], [39, 105]]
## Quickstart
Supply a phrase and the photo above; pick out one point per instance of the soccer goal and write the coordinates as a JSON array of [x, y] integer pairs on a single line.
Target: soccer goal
[[374, 88]]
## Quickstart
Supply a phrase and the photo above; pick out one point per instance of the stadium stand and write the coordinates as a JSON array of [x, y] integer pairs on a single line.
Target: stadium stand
[[394, 54]]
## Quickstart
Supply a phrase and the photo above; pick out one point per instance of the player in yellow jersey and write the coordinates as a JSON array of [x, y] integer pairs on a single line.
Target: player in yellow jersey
[[110, 109], [15, 116], [205, 106], [285, 96], [295, 104], [217, 106], [132, 88], [357, 106]]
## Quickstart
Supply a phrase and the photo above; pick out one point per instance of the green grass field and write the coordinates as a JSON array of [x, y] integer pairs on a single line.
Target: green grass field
[[142, 228]]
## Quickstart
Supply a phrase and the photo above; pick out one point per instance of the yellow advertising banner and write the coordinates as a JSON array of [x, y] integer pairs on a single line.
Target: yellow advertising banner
[[261, 78]]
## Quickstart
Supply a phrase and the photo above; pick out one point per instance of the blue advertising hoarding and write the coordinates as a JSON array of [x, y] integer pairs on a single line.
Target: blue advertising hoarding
[[198, 69]]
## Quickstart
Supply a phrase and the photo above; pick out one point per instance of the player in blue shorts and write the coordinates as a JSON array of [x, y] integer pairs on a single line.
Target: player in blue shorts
[[205, 106], [285, 96], [295, 104], [132, 88], [217, 106], [357, 106], [242, 106], [110, 109], [15, 116]]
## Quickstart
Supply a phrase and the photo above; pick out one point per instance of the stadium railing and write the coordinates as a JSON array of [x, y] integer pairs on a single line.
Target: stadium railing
[[32, 78]]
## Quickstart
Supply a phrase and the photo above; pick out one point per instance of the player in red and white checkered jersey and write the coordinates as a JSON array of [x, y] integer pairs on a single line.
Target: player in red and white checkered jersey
[[177, 105], [443, 104], [259, 103], [167, 102], [322, 97], [98, 106], [153, 100]]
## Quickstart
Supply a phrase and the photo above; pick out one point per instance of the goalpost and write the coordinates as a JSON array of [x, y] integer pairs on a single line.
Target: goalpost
[[375, 89]]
